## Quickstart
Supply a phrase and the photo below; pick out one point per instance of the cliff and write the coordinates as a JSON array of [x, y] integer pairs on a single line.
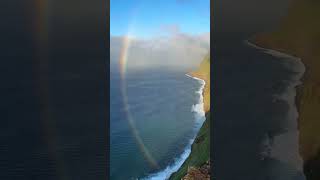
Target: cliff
[[203, 72], [200, 149], [299, 35]]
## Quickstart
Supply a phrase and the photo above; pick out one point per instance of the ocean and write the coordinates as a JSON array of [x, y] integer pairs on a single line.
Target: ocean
[[255, 130], [166, 110]]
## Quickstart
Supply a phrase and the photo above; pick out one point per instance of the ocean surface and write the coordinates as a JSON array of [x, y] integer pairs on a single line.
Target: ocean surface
[[166, 110], [255, 132]]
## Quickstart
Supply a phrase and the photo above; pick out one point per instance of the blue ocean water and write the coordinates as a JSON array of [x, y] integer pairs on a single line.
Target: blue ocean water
[[162, 105]]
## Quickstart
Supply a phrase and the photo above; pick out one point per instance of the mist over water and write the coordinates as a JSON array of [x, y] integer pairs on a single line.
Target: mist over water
[[176, 52]]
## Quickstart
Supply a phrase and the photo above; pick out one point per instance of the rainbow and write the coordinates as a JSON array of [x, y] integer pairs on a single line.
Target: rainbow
[[123, 62], [41, 36], [41, 21], [41, 40]]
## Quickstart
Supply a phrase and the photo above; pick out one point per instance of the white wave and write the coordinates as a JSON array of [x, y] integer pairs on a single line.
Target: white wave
[[198, 109], [165, 174]]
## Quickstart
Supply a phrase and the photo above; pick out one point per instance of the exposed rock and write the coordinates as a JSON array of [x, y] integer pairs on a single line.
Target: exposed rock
[[202, 173]]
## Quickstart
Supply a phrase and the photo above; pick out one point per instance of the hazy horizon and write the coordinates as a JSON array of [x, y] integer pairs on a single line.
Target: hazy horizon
[[176, 51]]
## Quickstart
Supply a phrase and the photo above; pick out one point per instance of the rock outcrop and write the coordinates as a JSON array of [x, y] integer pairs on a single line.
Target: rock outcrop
[[202, 173]]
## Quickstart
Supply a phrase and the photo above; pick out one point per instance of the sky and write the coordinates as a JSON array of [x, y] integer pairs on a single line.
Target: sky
[[151, 18]]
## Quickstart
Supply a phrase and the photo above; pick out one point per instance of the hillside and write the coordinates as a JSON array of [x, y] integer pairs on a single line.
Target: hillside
[[203, 72], [200, 149], [299, 35]]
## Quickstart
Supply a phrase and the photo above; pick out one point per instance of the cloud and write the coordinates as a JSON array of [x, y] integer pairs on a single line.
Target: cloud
[[172, 29], [177, 51]]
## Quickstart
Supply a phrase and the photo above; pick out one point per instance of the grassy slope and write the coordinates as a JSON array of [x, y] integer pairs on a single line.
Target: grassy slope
[[299, 34], [200, 150]]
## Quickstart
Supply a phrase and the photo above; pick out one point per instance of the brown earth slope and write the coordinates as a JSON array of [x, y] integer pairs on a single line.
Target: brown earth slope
[[203, 72]]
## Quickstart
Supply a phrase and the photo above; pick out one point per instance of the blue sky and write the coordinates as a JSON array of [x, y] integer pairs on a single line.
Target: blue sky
[[149, 18]]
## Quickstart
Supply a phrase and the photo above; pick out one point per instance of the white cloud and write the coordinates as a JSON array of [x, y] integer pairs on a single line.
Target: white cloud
[[177, 51], [171, 29]]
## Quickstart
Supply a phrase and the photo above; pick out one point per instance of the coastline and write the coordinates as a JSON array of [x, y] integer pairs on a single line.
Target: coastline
[[203, 72], [298, 34], [200, 118], [200, 106], [200, 149], [273, 52], [307, 95], [288, 141]]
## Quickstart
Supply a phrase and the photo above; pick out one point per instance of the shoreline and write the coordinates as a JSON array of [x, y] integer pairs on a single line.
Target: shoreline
[[273, 51], [291, 97], [298, 34], [179, 161], [200, 148]]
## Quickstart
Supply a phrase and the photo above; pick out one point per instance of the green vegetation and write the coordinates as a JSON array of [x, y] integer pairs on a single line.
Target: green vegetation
[[200, 149], [299, 35]]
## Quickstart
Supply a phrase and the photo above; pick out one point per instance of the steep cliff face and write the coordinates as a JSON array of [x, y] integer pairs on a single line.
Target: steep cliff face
[[299, 35], [199, 157], [203, 72]]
